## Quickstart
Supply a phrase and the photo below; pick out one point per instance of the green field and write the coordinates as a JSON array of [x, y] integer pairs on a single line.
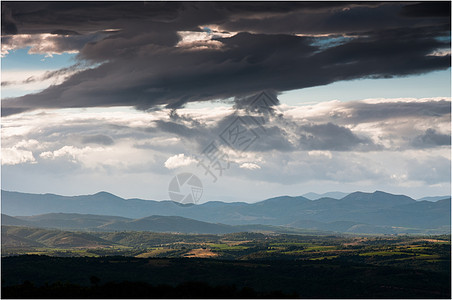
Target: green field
[[241, 264], [237, 246]]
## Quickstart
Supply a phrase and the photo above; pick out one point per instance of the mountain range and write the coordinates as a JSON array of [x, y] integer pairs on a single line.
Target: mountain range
[[169, 224], [358, 212], [433, 198]]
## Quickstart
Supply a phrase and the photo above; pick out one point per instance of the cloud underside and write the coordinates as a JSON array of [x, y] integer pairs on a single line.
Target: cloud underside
[[168, 54], [332, 141]]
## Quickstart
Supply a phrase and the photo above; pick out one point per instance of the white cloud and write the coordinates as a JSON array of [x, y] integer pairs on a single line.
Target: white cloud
[[320, 153], [402, 100], [74, 153], [179, 160], [142, 147], [14, 156], [440, 52], [26, 144], [249, 166], [49, 44], [202, 40]]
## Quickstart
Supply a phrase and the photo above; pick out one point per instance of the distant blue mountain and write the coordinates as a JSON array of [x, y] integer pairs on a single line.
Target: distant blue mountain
[[372, 212], [433, 198]]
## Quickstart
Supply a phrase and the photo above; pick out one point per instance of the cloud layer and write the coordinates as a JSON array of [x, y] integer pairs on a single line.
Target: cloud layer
[[331, 141], [167, 54]]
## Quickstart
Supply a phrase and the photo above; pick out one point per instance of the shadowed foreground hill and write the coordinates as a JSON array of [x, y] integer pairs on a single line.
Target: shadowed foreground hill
[[138, 290], [304, 279]]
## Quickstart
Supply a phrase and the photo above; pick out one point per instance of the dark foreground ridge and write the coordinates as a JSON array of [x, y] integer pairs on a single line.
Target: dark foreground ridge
[[129, 277], [137, 290]]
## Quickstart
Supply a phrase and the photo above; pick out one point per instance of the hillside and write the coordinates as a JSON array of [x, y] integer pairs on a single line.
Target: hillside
[[26, 237], [150, 224], [358, 212], [169, 224], [67, 220]]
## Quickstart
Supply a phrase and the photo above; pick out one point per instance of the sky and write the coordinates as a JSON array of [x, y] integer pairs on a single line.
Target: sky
[[257, 99]]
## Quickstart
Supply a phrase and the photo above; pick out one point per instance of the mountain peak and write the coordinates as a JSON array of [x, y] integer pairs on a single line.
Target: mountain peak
[[383, 193], [105, 194], [378, 196]]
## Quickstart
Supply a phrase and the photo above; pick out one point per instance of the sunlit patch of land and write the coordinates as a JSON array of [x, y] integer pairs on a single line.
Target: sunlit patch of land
[[406, 266], [201, 253]]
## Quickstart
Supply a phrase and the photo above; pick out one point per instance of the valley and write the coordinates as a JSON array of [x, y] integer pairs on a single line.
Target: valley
[[364, 245]]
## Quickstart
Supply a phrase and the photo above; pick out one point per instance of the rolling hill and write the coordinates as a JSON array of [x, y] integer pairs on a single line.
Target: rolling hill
[[26, 237], [66, 221], [368, 212], [169, 224]]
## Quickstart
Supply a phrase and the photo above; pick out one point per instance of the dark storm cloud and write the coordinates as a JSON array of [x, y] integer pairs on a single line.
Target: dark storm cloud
[[142, 68], [427, 9], [336, 129], [8, 25], [276, 134], [361, 112], [264, 102], [332, 137], [65, 32], [44, 17], [178, 129], [83, 17], [343, 18], [431, 138], [274, 138]]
